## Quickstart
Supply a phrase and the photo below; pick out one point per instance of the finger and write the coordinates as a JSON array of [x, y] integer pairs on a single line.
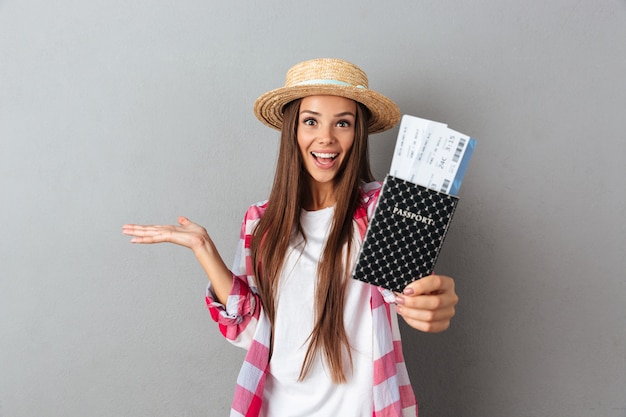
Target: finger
[[426, 315], [428, 302], [183, 221], [429, 327], [427, 321], [129, 228], [147, 234], [138, 230], [139, 226], [429, 285], [152, 236]]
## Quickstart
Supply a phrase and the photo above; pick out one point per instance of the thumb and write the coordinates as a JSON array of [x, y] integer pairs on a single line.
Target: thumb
[[183, 221]]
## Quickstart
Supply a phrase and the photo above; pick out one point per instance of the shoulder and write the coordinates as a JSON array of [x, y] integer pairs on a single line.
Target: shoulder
[[369, 196], [252, 217], [370, 192], [256, 211]]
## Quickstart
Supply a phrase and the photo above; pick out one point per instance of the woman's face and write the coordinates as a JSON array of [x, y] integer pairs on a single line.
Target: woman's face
[[325, 134]]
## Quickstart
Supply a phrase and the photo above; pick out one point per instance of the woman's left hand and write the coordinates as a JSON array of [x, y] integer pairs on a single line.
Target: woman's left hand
[[428, 304]]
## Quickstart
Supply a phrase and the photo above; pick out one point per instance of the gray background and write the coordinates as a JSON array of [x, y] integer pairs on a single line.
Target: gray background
[[115, 111]]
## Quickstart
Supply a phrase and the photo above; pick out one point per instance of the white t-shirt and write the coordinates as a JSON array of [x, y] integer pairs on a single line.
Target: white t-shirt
[[316, 394]]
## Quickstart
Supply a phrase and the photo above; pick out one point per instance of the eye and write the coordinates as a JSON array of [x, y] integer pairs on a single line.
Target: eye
[[309, 121], [343, 123]]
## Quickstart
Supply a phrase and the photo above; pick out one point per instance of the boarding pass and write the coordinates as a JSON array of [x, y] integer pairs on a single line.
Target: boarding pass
[[430, 154]]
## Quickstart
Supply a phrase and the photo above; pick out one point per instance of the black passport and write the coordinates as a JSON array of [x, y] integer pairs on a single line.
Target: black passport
[[405, 234]]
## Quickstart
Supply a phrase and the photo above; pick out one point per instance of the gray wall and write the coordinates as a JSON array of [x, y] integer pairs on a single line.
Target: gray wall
[[115, 111]]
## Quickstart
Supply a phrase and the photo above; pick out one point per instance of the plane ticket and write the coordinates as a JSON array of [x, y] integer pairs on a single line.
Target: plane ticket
[[431, 154]]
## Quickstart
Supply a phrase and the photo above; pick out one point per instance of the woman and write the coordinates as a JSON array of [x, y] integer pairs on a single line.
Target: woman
[[319, 342]]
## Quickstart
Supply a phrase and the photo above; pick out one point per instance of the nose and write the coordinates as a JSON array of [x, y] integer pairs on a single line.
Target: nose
[[325, 134]]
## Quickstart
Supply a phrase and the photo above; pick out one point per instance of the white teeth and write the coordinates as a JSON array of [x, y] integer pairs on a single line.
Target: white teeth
[[324, 155]]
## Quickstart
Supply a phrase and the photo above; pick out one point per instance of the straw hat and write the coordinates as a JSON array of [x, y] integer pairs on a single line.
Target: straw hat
[[327, 77]]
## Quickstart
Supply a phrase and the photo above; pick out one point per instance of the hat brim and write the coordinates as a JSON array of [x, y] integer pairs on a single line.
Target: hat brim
[[268, 108]]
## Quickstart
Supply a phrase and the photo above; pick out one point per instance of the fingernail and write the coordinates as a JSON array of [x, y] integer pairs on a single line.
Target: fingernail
[[399, 299], [408, 291]]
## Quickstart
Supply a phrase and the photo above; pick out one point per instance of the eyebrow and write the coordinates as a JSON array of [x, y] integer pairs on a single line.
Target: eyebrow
[[342, 114]]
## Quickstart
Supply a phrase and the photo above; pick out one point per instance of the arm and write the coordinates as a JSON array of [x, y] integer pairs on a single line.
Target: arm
[[194, 237]]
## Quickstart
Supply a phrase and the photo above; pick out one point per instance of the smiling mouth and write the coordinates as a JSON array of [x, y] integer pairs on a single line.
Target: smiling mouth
[[324, 157]]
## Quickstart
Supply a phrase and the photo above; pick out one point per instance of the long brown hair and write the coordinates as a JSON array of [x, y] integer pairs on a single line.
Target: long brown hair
[[282, 218]]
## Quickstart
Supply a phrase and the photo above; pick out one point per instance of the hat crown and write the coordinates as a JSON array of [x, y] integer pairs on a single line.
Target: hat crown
[[326, 71]]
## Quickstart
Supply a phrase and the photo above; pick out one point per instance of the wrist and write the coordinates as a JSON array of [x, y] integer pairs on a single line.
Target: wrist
[[204, 247]]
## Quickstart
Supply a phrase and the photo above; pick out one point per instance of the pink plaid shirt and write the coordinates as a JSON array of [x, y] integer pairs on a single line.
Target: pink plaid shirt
[[243, 323]]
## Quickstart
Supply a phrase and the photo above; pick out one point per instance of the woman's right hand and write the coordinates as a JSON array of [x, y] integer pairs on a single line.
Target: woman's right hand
[[188, 234], [195, 237]]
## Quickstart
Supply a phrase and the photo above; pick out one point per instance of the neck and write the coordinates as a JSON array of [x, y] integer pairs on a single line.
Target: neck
[[319, 196]]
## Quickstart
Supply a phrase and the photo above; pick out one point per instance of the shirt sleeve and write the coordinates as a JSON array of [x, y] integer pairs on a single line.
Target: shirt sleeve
[[237, 319]]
